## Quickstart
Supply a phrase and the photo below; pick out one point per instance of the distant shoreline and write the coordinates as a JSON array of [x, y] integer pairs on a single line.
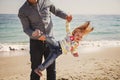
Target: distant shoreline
[[72, 14]]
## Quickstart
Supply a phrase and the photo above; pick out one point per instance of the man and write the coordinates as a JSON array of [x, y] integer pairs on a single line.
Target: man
[[35, 16]]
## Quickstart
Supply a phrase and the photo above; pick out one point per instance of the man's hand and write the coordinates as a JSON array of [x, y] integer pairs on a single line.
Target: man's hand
[[69, 18], [38, 33]]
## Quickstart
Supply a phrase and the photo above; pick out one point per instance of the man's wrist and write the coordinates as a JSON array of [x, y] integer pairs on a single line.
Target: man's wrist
[[42, 38]]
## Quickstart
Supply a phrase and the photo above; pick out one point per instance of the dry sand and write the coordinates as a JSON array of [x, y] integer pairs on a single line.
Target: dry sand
[[99, 65]]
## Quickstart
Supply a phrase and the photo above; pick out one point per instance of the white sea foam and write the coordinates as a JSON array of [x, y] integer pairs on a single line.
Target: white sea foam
[[92, 46], [100, 43], [13, 47], [85, 46], [7, 50]]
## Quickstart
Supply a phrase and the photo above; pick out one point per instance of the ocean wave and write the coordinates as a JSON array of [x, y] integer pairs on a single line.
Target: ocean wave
[[92, 46], [17, 49], [13, 47], [83, 44]]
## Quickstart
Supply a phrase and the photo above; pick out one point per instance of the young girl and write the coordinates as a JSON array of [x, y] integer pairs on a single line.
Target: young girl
[[69, 44]]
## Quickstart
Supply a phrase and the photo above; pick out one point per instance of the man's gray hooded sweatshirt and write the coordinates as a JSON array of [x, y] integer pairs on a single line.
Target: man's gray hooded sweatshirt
[[38, 16]]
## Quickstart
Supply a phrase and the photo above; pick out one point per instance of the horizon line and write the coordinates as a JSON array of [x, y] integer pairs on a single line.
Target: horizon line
[[72, 14]]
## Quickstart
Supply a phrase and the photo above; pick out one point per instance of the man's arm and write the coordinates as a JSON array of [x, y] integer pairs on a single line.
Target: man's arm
[[26, 24], [58, 12]]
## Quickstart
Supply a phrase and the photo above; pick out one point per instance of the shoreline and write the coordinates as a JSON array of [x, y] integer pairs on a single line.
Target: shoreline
[[10, 49]]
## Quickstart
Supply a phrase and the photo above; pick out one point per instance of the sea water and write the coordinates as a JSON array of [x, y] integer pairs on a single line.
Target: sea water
[[106, 27], [106, 30]]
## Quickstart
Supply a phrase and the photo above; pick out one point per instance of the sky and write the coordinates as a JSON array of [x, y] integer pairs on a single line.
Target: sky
[[69, 6]]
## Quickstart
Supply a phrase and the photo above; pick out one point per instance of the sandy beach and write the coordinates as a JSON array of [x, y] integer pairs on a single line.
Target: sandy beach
[[97, 65]]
